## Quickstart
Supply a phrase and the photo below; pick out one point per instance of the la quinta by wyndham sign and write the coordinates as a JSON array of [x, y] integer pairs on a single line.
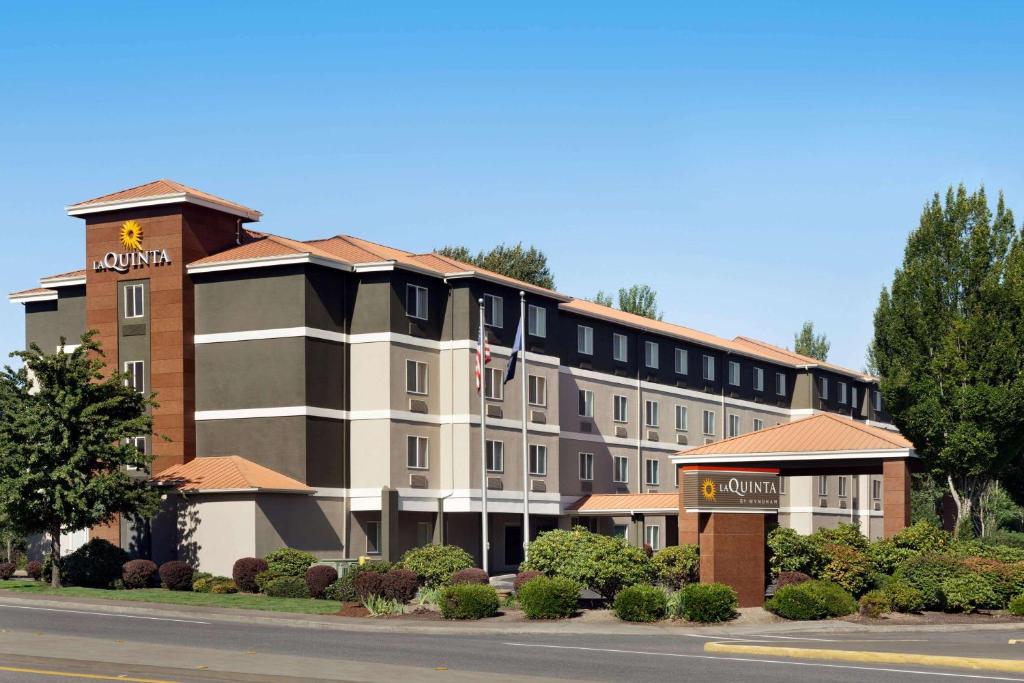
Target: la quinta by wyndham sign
[[135, 256], [730, 490]]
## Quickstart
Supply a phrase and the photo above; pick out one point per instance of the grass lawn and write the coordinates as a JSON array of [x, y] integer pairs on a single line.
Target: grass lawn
[[235, 601]]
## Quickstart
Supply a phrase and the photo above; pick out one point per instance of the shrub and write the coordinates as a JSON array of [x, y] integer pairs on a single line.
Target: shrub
[[468, 601], [318, 578], [845, 534], [344, 589], [286, 587], [966, 593], [176, 575], [640, 603], [548, 598], [1016, 606], [926, 573], [874, 603], [903, 597], [97, 564], [7, 570], [999, 576], [792, 552], [244, 573], [811, 600], [434, 565], [847, 567], [34, 569], [677, 565], [472, 575], [290, 562], [790, 579], [396, 584], [523, 577], [213, 584], [138, 573], [604, 564], [706, 603]]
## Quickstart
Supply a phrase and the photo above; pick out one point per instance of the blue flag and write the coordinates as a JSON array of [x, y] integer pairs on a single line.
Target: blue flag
[[513, 360]]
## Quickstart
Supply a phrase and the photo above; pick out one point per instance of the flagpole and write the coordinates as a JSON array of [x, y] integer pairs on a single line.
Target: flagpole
[[526, 447], [485, 545]]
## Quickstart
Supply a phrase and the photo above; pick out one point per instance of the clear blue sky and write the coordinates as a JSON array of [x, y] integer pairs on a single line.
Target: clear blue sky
[[758, 165]]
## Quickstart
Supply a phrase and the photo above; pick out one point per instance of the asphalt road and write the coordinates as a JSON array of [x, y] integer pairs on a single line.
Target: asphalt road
[[155, 649]]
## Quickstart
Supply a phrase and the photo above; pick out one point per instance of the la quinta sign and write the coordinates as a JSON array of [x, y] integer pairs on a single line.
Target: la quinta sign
[[135, 257], [730, 490]]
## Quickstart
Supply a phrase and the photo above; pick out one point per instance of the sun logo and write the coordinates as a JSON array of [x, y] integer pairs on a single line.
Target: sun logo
[[131, 235], [708, 490]]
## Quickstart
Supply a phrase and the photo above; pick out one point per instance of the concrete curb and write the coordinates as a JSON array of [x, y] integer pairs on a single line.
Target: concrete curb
[[870, 657]]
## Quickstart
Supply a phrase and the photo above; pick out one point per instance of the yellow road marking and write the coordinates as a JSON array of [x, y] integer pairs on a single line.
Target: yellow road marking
[[71, 674], [1016, 641]]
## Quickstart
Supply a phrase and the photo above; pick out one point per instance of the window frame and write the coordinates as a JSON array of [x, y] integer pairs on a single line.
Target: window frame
[[585, 340], [652, 539], [823, 388], [758, 379], [616, 338], [617, 462], [615, 408], [734, 426], [822, 486], [842, 487], [651, 355], [141, 311], [685, 422], [780, 384], [536, 321], [412, 295], [494, 310], [376, 536], [708, 367], [876, 400], [536, 451], [495, 455], [876, 489], [648, 413], [758, 424], [588, 458], [426, 377], [841, 399], [681, 354], [734, 365], [585, 401], [136, 377], [423, 453], [652, 465], [534, 384], [490, 383], [709, 417]]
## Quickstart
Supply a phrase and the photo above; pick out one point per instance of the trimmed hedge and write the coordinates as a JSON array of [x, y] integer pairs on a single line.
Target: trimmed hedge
[[290, 562], [790, 579], [434, 565], [395, 584], [214, 584], [472, 575], [97, 564], [640, 603], [7, 570], [286, 587], [468, 601], [523, 577], [706, 603], [318, 578], [138, 573], [677, 565], [545, 597], [176, 575], [344, 589], [1016, 606], [873, 603], [903, 597], [926, 572], [604, 564], [968, 592], [34, 569], [811, 600], [244, 573]]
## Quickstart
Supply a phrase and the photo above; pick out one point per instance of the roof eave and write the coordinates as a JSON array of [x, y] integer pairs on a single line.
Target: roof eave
[[16, 298], [525, 286], [267, 262], [158, 200], [685, 457]]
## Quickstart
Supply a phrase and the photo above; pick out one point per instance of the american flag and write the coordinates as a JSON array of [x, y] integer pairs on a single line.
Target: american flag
[[486, 357]]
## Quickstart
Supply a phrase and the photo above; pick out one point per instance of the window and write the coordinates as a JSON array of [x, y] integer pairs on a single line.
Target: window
[[416, 452], [682, 362], [586, 467], [876, 489], [416, 302], [620, 347], [709, 368], [373, 538], [842, 487], [494, 385], [133, 301], [780, 383], [652, 537], [652, 472], [586, 403], [682, 419], [494, 311], [853, 398], [734, 425], [136, 371], [758, 379], [758, 424], [651, 413], [651, 355], [537, 321], [734, 373], [709, 423], [620, 409], [585, 339], [495, 456], [538, 460], [877, 398], [415, 377], [537, 391], [139, 442], [842, 392], [822, 486], [620, 469], [823, 388], [620, 531], [424, 533]]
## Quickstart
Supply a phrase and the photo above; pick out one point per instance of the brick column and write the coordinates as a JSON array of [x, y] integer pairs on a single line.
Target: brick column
[[732, 549], [895, 496]]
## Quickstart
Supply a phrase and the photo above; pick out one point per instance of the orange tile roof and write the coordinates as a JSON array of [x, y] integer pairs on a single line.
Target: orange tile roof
[[68, 275], [819, 433], [227, 473], [626, 502], [156, 189], [31, 292], [758, 346]]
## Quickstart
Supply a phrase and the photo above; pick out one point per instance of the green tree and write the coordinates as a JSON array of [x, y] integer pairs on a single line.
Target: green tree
[[808, 343], [529, 265], [949, 344], [64, 444], [604, 299], [637, 299]]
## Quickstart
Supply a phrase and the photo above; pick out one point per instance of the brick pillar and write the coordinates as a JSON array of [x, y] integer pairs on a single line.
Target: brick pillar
[[895, 496], [732, 548]]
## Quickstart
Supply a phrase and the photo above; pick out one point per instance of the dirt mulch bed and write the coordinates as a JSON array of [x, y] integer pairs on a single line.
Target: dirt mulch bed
[[353, 609], [938, 618]]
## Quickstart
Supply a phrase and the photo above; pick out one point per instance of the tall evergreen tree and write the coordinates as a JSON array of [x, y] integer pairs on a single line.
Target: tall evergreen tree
[[529, 265], [810, 344], [64, 444], [949, 345]]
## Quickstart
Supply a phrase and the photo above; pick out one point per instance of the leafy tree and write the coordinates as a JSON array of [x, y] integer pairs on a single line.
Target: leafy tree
[[637, 299], [604, 299], [809, 344], [949, 344], [529, 265], [64, 431]]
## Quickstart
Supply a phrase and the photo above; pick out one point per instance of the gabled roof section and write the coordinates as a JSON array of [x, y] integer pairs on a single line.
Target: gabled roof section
[[161, 191], [69, 279], [28, 296], [227, 474], [821, 433]]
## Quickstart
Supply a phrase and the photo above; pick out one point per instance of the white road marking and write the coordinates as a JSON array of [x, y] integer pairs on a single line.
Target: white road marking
[[104, 614], [767, 661]]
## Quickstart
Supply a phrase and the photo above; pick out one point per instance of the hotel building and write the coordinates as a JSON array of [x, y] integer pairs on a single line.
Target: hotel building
[[321, 394]]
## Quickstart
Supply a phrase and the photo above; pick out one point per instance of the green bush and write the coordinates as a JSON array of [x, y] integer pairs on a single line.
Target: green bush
[[903, 597], [1005, 580], [290, 562], [968, 592], [874, 603], [549, 598], [435, 564], [468, 601], [214, 584], [811, 600], [1016, 606], [604, 564], [677, 565], [847, 567], [920, 538], [640, 603], [706, 603], [844, 533], [789, 551], [286, 587], [97, 564], [926, 572]]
